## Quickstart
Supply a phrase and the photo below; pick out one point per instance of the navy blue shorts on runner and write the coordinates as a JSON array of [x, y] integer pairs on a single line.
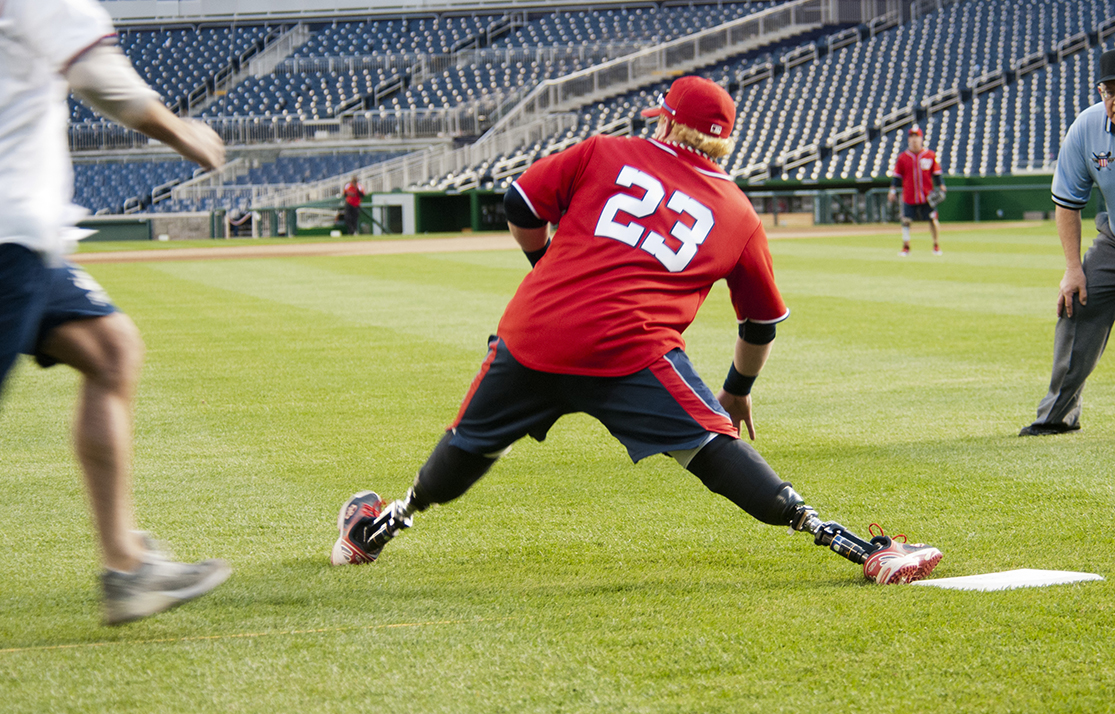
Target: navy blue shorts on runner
[[35, 299], [665, 407], [919, 212]]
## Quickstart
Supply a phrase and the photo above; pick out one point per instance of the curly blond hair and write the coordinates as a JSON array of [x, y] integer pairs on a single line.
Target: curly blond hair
[[714, 147]]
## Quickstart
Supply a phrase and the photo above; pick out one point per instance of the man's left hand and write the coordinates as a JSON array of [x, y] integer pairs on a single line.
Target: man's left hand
[[739, 409]]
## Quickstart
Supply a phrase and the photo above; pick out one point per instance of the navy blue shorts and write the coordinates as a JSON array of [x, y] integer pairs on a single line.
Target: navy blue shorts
[[35, 299], [665, 407], [919, 212]]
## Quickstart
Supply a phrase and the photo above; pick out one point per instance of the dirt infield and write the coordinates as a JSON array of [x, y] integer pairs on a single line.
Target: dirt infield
[[493, 241]]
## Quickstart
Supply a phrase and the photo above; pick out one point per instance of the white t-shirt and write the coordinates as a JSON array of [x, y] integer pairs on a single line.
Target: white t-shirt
[[38, 41]]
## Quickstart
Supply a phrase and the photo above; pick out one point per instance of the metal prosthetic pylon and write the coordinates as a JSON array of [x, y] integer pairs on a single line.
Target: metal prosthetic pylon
[[396, 517], [832, 535]]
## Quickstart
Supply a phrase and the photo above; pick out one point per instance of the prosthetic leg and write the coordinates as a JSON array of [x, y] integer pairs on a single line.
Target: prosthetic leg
[[831, 534], [727, 466], [736, 471], [884, 560], [446, 475], [396, 517]]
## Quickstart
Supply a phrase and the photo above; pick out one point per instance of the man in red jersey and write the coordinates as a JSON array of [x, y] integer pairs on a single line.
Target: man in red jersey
[[354, 194], [919, 175], [647, 227]]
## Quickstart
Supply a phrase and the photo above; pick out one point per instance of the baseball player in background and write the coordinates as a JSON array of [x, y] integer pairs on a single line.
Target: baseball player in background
[[1086, 300], [919, 176], [53, 310], [353, 195], [647, 227]]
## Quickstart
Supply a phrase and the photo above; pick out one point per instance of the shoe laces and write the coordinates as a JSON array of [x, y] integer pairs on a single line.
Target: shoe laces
[[871, 529]]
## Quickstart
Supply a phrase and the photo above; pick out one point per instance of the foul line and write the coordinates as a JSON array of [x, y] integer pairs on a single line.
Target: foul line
[[244, 635]]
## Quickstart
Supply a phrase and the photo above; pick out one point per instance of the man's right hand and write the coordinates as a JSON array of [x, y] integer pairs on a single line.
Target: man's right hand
[[1074, 283], [892, 197], [191, 138], [200, 144]]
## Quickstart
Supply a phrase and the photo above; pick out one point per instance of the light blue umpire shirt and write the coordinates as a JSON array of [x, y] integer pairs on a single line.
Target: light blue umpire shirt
[[1087, 159]]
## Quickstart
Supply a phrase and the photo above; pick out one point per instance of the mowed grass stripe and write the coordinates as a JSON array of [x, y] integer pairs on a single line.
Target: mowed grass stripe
[[239, 636], [957, 258], [973, 297], [424, 308]]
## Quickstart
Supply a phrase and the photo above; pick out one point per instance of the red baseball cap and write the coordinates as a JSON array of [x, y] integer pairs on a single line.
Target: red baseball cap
[[915, 130], [700, 104]]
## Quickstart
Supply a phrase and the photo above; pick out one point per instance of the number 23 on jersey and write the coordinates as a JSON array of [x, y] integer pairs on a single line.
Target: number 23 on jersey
[[631, 233]]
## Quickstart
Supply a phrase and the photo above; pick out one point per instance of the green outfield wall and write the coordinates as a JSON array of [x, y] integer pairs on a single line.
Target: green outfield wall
[[970, 198], [990, 198]]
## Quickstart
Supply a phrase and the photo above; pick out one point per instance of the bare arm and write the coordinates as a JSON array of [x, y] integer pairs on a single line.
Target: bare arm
[[1068, 229], [530, 239], [105, 79], [748, 360], [192, 139]]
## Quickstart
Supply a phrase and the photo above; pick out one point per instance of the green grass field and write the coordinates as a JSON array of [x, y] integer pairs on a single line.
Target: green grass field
[[569, 580]]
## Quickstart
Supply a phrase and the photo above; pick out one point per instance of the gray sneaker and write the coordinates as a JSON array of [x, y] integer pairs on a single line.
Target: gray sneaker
[[158, 584]]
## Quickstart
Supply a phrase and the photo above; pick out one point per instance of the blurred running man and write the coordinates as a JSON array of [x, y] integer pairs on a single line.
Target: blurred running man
[[919, 175], [55, 311]]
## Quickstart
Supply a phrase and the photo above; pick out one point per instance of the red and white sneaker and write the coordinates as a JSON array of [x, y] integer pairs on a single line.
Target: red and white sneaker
[[899, 562], [349, 550]]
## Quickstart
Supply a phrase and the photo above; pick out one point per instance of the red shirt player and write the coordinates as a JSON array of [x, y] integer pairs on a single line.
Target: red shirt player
[[919, 175], [354, 194], [646, 227]]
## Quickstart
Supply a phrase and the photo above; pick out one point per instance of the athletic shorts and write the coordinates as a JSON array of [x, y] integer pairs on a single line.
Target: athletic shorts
[[919, 212], [665, 407], [35, 299]]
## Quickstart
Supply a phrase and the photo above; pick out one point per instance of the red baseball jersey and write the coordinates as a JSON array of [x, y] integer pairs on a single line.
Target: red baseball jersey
[[917, 172], [354, 192], [646, 228]]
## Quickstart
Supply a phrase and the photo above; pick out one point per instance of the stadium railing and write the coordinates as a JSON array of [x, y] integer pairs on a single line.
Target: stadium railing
[[374, 124]]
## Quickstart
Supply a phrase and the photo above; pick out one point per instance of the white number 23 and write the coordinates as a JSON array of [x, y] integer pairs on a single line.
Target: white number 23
[[630, 233]]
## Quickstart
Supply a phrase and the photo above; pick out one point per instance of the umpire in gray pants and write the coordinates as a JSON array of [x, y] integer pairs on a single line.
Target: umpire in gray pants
[[1086, 302]]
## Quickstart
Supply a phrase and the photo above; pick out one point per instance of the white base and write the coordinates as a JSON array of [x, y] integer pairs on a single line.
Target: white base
[[1023, 578]]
